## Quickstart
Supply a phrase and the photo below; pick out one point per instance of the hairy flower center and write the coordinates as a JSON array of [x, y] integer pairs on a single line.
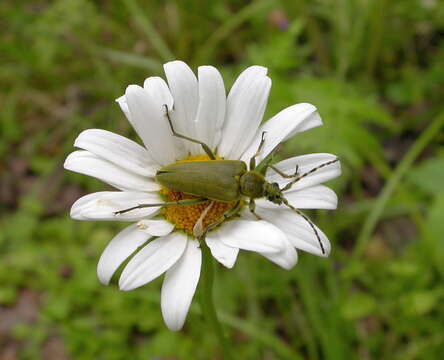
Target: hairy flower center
[[184, 217]]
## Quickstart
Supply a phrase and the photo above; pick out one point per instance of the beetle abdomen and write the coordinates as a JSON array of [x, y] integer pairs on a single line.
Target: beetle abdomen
[[215, 179]]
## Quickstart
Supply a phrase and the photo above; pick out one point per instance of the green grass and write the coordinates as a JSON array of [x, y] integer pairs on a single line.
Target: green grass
[[373, 69]]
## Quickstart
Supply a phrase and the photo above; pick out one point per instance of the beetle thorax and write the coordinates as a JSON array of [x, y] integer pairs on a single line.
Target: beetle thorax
[[252, 184]]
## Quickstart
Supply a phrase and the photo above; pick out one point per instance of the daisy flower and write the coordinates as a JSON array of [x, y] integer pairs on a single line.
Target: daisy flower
[[161, 240]]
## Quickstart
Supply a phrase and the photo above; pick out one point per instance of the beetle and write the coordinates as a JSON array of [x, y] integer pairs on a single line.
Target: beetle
[[226, 181]]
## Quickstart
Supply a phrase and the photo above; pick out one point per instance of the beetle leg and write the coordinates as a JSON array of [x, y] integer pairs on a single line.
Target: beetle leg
[[165, 204], [198, 229], [252, 208], [264, 164], [259, 149], [284, 175], [205, 147], [229, 213], [290, 184]]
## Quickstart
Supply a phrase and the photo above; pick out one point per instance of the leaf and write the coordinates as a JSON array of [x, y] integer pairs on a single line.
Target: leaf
[[278, 51], [429, 175], [403, 269], [358, 305], [434, 230], [421, 302], [347, 114]]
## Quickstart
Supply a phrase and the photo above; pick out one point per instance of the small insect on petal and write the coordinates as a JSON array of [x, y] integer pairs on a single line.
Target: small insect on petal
[[155, 227]]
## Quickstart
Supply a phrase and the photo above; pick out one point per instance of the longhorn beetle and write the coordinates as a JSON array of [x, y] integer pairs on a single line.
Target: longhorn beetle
[[225, 181]]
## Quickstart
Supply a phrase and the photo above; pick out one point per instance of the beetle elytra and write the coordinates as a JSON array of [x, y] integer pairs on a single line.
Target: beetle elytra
[[221, 180]]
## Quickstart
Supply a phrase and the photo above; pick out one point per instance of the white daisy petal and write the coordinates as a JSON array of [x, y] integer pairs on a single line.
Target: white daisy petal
[[297, 229], [152, 261], [149, 120], [225, 254], [103, 206], [211, 110], [306, 163], [124, 107], [259, 236], [286, 259], [230, 126], [245, 76], [155, 227], [158, 89], [314, 197], [118, 250], [179, 286], [117, 149], [245, 108], [283, 126], [90, 164], [184, 88]]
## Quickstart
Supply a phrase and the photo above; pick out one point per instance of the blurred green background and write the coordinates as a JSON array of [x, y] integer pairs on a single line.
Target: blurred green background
[[374, 69]]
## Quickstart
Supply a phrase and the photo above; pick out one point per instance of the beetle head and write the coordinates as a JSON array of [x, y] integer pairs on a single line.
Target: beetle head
[[273, 193]]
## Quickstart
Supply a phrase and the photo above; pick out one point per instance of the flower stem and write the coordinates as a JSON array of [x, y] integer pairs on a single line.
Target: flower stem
[[207, 300]]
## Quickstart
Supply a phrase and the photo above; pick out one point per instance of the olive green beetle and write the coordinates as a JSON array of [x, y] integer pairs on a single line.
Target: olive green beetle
[[226, 181]]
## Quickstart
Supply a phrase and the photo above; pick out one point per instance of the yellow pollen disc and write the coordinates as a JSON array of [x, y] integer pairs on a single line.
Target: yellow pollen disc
[[185, 217]]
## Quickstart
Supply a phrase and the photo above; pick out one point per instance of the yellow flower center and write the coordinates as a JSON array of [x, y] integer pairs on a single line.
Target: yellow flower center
[[184, 217]]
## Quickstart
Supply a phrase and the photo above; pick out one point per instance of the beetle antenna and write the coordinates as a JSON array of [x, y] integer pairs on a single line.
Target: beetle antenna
[[307, 220], [300, 177]]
